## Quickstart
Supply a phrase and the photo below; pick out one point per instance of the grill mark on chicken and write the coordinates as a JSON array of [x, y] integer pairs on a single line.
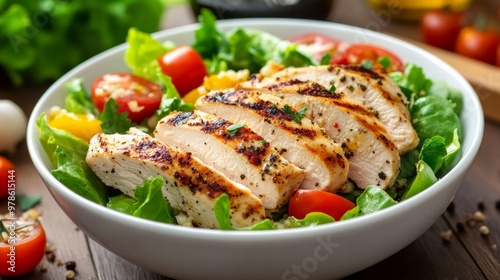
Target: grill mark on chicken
[[125, 161], [372, 90], [271, 114], [349, 124], [243, 157]]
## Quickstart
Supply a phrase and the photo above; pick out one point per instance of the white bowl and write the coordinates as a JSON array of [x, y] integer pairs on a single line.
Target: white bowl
[[323, 252]]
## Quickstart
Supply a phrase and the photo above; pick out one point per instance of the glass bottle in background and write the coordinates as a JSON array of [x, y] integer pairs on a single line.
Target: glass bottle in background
[[414, 9]]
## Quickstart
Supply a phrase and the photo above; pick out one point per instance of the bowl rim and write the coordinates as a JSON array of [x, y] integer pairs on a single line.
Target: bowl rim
[[466, 159]]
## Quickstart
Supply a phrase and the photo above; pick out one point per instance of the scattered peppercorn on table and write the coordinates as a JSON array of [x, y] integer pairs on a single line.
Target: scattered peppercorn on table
[[462, 244]]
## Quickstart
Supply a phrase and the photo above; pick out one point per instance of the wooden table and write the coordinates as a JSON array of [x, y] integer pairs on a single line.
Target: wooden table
[[468, 255]]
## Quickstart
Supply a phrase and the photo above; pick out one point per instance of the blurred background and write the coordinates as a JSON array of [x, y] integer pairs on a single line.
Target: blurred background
[[40, 40]]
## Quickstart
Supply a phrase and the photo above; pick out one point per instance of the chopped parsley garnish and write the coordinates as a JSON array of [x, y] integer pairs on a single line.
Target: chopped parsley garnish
[[368, 64], [112, 121], [325, 60], [233, 129], [296, 117], [385, 61], [332, 88]]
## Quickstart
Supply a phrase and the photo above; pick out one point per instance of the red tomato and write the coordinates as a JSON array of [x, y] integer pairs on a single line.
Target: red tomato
[[7, 176], [498, 55], [186, 68], [22, 255], [319, 45], [478, 44], [304, 202], [358, 53], [137, 96], [440, 28]]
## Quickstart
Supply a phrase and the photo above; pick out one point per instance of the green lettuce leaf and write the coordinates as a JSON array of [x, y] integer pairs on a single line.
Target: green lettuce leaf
[[148, 202], [244, 48], [371, 200], [51, 138], [434, 115], [424, 179], [68, 153], [78, 100], [42, 40], [171, 100], [73, 172], [433, 152], [122, 203], [142, 54]]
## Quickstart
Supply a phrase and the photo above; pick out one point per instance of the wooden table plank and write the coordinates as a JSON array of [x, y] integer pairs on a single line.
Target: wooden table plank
[[418, 260], [482, 184], [111, 266]]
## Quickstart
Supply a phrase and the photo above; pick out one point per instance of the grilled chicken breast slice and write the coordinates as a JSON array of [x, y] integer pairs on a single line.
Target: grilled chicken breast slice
[[304, 144], [373, 157], [373, 90], [243, 157], [124, 161]]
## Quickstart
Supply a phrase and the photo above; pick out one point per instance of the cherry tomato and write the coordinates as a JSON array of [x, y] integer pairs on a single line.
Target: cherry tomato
[[358, 53], [440, 28], [137, 96], [498, 55], [186, 68], [7, 176], [23, 254], [478, 44], [304, 202], [318, 45]]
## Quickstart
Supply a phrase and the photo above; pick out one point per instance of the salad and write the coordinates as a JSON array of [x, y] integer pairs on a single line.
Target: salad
[[166, 78]]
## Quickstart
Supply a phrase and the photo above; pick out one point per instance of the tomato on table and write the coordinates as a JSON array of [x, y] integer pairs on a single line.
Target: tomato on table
[[7, 174], [137, 96], [359, 53], [480, 44], [186, 68], [440, 28], [303, 202], [23, 254], [319, 45]]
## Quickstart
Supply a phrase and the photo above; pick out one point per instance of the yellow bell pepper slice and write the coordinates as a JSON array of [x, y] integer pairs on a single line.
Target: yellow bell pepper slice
[[223, 80], [80, 125]]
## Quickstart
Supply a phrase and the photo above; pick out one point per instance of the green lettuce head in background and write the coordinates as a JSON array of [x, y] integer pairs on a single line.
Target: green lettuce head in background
[[40, 40]]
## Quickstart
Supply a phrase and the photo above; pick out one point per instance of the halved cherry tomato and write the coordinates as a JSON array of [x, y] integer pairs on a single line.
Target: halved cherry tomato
[[186, 68], [137, 96], [318, 45], [478, 44], [304, 202], [7, 174], [440, 28], [358, 53], [21, 255]]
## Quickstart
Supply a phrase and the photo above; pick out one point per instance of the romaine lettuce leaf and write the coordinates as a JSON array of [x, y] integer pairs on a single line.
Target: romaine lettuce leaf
[[435, 115], [148, 202], [244, 48], [371, 200], [424, 179], [433, 152], [67, 153], [73, 172], [171, 100], [78, 100]]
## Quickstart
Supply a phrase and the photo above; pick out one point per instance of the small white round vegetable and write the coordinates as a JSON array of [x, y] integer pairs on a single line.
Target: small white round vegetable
[[13, 124]]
